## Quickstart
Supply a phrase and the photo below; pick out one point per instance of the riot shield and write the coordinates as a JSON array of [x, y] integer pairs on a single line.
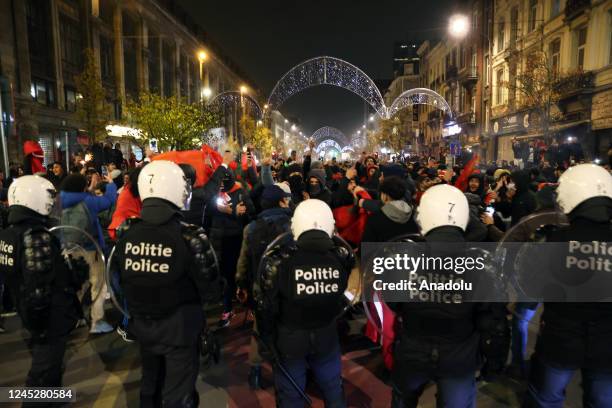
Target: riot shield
[[533, 227], [111, 276], [77, 243], [522, 253]]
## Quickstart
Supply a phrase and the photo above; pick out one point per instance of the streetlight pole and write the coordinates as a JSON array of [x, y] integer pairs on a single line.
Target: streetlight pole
[[202, 57]]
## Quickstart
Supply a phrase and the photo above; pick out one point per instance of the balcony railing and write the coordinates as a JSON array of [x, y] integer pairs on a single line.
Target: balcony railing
[[469, 73], [582, 82], [574, 8], [468, 117]]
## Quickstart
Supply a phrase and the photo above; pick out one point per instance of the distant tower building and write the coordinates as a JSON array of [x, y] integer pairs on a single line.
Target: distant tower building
[[405, 58]]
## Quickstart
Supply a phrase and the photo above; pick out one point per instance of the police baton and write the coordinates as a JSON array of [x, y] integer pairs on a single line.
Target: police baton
[[281, 367]]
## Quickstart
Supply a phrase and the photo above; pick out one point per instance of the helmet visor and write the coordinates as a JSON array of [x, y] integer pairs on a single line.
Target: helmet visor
[[188, 195], [55, 210]]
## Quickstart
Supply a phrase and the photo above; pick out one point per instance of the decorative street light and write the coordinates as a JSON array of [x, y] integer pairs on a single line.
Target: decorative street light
[[458, 26]]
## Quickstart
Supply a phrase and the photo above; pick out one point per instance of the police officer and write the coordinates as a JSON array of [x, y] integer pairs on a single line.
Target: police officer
[[577, 335], [298, 300], [46, 285], [439, 341], [168, 271]]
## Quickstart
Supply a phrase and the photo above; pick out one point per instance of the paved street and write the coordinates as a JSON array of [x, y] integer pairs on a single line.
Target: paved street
[[105, 372]]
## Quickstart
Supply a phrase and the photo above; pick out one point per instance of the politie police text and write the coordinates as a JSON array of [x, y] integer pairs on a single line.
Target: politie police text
[[316, 281], [144, 264], [598, 259], [6, 252]]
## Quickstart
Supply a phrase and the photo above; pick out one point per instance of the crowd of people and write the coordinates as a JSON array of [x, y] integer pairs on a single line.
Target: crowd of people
[[223, 216]]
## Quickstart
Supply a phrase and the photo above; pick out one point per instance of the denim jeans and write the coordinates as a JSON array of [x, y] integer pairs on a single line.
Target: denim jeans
[[523, 313], [327, 370], [547, 384], [453, 391]]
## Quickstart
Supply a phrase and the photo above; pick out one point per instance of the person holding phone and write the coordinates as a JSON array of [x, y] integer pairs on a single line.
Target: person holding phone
[[232, 209]]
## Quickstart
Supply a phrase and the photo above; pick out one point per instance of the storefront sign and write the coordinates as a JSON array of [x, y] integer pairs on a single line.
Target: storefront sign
[[518, 122], [451, 130]]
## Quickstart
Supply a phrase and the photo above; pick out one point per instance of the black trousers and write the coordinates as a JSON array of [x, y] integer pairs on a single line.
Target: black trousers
[[46, 369], [169, 374]]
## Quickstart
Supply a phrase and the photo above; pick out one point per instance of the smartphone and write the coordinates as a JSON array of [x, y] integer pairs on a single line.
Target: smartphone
[[490, 210], [104, 171]]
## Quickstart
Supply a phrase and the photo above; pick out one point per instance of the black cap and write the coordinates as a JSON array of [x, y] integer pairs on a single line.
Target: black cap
[[274, 193]]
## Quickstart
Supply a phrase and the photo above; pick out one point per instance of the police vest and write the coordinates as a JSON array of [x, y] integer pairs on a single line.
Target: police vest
[[30, 260], [10, 255], [311, 288], [153, 262]]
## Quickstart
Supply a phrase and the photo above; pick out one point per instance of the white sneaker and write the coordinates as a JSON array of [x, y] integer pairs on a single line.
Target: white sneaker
[[101, 327]]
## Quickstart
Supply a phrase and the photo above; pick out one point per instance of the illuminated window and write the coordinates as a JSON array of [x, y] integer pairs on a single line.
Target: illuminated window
[[581, 36], [499, 96], [533, 12]]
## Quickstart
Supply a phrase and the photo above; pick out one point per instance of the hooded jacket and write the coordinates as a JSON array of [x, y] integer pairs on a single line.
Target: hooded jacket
[[480, 191], [324, 194], [247, 265], [476, 231], [33, 157], [128, 206], [393, 220], [226, 225], [523, 202], [94, 204]]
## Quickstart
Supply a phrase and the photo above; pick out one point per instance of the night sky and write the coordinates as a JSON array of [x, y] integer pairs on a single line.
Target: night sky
[[266, 38]]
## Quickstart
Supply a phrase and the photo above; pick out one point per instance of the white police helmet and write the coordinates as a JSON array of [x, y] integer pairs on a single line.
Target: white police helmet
[[34, 192], [442, 205], [166, 180], [312, 214], [580, 183]]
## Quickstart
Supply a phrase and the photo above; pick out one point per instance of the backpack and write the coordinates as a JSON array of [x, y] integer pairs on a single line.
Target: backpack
[[266, 229], [80, 217]]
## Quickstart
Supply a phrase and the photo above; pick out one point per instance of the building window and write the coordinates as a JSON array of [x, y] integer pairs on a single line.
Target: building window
[[581, 36], [555, 8], [500, 35], [168, 66], [486, 112], [555, 56], [129, 57], [70, 96], [513, 26], [487, 69], [533, 12], [107, 69], [154, 78], [106, 11], [39, 38], [70, 35], [42, 92], [183, 76], [499, 95]]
